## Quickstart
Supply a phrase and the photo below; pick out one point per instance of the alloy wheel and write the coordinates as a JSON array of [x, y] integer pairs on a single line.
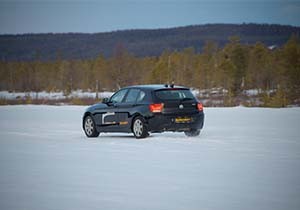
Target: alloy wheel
[[89, 126], [138, 127]]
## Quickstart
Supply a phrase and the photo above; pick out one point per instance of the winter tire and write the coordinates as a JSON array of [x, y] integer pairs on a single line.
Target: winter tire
[[90, 127], [139, 128]]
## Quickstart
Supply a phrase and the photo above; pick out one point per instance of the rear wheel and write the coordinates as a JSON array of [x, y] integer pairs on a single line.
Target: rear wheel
[[90, 127], [139, 128], [192, 133]]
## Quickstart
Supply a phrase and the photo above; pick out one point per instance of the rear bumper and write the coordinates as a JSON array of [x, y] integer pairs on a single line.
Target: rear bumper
[[161, 122]]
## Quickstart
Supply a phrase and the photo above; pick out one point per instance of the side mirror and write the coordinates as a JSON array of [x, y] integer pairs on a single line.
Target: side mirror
[[105, 100]]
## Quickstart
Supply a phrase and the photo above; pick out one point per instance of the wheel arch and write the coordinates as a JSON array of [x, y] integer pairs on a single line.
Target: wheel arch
[[135, 115], [84, 116], [143, 131]]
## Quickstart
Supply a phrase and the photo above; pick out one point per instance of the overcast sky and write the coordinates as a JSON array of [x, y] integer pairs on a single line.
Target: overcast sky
[[36, 16]]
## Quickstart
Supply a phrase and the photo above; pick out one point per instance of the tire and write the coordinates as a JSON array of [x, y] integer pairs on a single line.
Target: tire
[[89, 127], [192, 133], [139, 128]]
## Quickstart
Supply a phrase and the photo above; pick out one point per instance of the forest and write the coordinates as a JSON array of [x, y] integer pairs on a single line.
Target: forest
[[232, 69], [140, 43]]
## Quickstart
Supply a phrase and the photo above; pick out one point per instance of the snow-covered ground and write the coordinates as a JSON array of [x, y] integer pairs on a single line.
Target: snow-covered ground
[[245, 158], [52, 95]]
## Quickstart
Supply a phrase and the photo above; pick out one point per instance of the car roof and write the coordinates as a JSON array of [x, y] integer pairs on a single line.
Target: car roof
[[157, 86]]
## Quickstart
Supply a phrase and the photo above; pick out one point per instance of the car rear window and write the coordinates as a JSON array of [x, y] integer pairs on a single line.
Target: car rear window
[[174, 94]]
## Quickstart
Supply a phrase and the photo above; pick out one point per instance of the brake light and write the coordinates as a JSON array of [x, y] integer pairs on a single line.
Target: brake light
[[156, 108], [200, 107]]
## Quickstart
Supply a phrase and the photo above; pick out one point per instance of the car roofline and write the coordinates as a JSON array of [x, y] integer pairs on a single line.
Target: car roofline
[[157, 87]]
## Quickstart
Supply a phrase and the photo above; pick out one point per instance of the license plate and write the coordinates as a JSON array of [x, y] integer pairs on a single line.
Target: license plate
[[183, 119]]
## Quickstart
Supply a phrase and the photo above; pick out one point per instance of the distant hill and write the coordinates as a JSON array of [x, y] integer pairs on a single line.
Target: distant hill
[[138, 42]]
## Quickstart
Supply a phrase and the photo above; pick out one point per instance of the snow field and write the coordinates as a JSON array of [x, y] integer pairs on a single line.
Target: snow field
[[52, 95], [245, 158]]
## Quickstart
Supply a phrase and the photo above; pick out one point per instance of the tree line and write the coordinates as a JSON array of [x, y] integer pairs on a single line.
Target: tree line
[[236, 67], [141, 43]]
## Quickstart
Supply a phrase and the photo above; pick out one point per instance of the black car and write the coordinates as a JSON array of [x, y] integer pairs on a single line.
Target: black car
[[146, 108]]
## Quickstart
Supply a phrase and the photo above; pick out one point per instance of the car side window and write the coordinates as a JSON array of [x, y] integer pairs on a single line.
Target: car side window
[[141, 96], [132, 96], [118, 97]]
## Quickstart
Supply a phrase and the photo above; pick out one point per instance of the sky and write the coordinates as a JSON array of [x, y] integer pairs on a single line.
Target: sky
[[90, 16]]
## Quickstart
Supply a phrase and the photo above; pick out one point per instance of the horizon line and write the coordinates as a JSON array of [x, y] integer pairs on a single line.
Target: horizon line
[[145, 29]]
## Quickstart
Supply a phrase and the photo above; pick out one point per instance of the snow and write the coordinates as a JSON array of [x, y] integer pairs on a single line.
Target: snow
[[53, 95], [252, 92], [245, 158]]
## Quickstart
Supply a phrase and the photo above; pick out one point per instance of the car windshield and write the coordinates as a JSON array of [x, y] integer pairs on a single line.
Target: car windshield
[[174, 94]]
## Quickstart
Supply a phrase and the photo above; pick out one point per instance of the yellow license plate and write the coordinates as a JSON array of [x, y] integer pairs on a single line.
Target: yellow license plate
[[183, 119]]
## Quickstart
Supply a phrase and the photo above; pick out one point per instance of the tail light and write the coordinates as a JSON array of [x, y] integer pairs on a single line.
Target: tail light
[[200, 106], [156, 108]]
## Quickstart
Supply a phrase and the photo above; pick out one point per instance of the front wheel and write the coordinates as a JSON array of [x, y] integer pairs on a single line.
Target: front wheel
[[139, 128], [192, 133], [90, 127]]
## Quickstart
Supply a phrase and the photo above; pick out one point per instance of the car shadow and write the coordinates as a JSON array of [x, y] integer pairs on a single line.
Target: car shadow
[[124, 136]]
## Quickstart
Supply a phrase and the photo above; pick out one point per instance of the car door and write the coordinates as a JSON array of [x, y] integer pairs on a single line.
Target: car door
[[108, 117], [126, 108]]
